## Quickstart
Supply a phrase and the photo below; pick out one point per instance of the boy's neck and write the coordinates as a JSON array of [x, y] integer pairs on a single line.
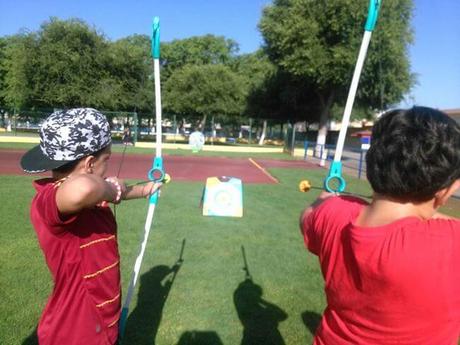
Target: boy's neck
[[59, 176], [384, 210]]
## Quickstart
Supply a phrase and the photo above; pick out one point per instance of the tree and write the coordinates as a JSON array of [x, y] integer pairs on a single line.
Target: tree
[[70, 64], [197, 50], [128, 84], [319, 41], [204, 90], [67, 64], [254, 68], [273, 93], [17, 69], [3, 44]]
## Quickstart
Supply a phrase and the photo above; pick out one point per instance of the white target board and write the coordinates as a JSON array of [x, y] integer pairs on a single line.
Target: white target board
[[223, 196], [196, 141]]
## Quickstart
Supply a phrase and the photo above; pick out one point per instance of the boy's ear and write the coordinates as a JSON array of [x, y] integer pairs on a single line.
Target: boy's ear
[[444, 194], [88, 164]]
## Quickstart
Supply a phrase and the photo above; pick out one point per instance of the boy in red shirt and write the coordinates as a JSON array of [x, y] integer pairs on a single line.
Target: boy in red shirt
[[76, 229], [391, 267]]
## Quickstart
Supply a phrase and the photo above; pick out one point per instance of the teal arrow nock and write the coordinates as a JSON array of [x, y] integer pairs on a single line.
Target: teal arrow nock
[[372, 14], [156, 38]]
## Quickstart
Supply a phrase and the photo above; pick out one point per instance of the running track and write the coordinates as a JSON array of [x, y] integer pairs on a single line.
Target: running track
[[180, 168]]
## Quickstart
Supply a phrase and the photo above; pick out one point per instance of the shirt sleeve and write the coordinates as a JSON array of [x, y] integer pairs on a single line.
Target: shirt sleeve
[[46, 206], [310, 229], [330, 217]]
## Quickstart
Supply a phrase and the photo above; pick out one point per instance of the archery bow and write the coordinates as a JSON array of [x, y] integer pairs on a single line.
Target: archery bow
[[155, 174], [335, 170]]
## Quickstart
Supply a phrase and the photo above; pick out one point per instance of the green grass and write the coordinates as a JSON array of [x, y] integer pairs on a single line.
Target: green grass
[[179, 152], [201, 297]]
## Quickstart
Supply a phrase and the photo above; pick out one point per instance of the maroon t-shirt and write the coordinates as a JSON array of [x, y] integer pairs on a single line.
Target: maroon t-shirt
[[81, 252], [393, 284]]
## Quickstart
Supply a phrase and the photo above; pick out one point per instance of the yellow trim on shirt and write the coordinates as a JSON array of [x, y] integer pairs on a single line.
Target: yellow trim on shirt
[[97, 241], [92, 275], [108, 301], [113, 322]]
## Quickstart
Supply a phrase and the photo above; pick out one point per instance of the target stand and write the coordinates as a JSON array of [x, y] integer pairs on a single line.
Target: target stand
[[223, 196]]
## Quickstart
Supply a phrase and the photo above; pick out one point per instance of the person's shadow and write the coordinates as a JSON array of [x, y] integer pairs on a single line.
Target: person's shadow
[[259, 317], [143, 323], [311, 320], [32, 339], [199, 338]]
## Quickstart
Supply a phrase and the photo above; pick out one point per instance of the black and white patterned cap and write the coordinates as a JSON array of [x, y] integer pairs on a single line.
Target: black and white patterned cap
[[66, 136]]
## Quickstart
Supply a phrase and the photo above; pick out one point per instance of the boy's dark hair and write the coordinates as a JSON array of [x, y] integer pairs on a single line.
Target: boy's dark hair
[[67, 168], [414, 153]]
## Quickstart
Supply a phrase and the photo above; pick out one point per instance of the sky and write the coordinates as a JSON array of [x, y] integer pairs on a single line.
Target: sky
[[434, 56]]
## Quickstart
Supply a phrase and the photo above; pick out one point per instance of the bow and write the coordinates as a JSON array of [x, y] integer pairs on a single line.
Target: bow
[[335, 170], [155, 174]]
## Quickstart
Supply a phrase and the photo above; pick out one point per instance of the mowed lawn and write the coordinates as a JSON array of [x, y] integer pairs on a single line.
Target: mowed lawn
[[208, 297]]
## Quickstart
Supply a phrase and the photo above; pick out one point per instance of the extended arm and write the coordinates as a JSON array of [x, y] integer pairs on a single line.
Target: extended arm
[[87, 190], [310, 208]]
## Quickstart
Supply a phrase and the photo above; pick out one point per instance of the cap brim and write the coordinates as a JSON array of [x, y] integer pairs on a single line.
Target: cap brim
[[34, 161]]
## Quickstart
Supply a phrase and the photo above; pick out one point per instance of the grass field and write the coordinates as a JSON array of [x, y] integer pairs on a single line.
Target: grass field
[[201, 302]]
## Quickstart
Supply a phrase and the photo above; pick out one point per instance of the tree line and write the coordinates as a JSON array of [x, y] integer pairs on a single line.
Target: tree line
[[301, 73]]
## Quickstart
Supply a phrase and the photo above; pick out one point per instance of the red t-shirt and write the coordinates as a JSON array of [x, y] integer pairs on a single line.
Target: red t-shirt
[[82, 254], [393, 284]]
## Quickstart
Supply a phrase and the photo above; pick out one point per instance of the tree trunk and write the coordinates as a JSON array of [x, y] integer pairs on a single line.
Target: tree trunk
[[202, 123], [292, 146], [322, 128], [264, 131]]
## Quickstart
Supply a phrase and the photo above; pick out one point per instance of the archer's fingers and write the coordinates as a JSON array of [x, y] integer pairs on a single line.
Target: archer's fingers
[[151, 188]]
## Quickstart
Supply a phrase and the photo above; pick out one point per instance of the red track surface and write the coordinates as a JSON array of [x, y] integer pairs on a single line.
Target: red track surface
[[181, 168]]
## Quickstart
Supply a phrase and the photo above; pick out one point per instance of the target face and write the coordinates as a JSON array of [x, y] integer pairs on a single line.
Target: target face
[[196, 141], [223, 197]]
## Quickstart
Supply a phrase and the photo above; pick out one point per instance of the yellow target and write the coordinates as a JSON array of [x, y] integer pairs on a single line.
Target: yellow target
[[223, 196]]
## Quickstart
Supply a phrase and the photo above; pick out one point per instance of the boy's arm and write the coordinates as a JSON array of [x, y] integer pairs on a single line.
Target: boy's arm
[[141, 191], [309, 209], [87, 190], [83, 191]]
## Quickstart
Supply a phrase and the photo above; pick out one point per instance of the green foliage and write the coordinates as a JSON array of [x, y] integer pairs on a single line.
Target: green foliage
[[3, 44], [17, 70], [197, 50], [284, 97], [254, 68], [319, 42], [69, 63], [305, 68], [204, 90], [128, 85]]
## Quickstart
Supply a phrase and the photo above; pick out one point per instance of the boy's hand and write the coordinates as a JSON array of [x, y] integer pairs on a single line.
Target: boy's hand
[[141, 190], [150, 188]]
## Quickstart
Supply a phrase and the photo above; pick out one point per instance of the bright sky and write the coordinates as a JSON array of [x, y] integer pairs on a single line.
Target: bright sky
[[435, 55]]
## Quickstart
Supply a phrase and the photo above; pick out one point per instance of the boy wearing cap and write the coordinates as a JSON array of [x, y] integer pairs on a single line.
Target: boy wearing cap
[[76, 229], [391, 267]]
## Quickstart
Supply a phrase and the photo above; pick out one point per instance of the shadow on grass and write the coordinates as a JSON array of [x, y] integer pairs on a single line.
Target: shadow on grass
[[311, 320], [259, 317], [32, 339], [143, 323], [200, 338]]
